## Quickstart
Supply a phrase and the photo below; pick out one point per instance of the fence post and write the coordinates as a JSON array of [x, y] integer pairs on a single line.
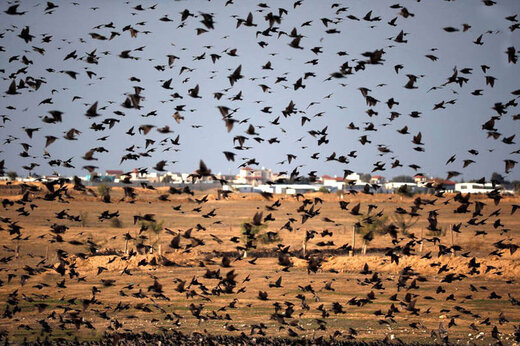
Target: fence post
[[452, 250], [353, 240], [422, 242]]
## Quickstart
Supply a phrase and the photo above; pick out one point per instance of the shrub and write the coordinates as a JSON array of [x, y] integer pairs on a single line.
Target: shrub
[[365, 177], [406, 191], [376, 226], [269, 237], [323, 189], [154, 226], [404, 223], [441, 232], [12, 175], [83, 218], [104, 189], [254, 233], [116, 222], [516, 186], [403, 179]]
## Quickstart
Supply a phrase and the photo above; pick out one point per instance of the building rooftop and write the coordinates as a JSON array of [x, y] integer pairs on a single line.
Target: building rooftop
[[328, 177], [113, 172]]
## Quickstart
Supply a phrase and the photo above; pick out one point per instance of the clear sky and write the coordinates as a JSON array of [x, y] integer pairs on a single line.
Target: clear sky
[[328, 102]]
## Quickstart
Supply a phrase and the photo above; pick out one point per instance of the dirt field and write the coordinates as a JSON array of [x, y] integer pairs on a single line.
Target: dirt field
[[57, 281]]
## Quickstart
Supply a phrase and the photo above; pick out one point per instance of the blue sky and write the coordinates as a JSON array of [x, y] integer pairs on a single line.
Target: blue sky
[[445, 132]]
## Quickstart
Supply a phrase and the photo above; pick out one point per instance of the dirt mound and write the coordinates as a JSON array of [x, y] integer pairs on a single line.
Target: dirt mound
[[118, 263], [489, 267]]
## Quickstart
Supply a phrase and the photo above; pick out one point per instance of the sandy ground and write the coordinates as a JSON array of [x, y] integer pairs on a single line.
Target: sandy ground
[[439, 296]]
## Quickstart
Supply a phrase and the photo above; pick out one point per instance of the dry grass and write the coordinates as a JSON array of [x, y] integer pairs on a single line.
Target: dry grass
[[349, 283]]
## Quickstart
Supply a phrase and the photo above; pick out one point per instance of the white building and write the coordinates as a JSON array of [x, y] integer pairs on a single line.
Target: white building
[[248, 175], [239, 188], [420, 179], [396, 185], [290, 189], [475, 188], [173, 177], [340, 183], [152, 177], [377, 179]]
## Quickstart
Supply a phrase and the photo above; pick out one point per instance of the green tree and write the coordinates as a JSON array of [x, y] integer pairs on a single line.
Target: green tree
[[12, 175], [405, 190], [403, 179], [369, 228], [498, 178], [269, 237], [104, 189], [251, 235], [324, 189], [155, 227], [516, 185], [405, 223], [116, 222], [365, 177], [373, 225]]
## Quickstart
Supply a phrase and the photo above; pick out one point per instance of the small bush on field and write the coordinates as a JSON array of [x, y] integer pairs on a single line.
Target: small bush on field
[[442, 232], [376, 225], [83, 218], [116, 222], [104, 189], [254, 233], [154, 226], [405, 191], [323, 189], [12, 175], [269, 237], [405, 223]]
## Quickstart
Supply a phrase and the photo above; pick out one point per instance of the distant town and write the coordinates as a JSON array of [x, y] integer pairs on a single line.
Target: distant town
[[265, 180]]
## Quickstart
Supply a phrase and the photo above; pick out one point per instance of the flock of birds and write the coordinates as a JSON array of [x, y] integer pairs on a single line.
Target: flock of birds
[[264, 25]]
